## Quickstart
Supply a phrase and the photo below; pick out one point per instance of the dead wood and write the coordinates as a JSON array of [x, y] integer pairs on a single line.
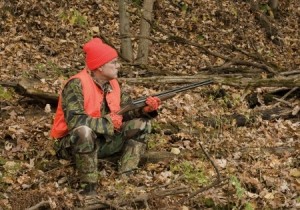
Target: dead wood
[[288, 73], [278, 113], [285, 96], [42, 204], [143, 198], [148, 157], [98, 206], [268, 96], [283, 101], [155, 157], [139, 199], [29, 88], [237, 80], [26, 87]]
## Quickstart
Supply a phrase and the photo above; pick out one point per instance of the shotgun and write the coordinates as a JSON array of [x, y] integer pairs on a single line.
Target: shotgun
[[140, 102]]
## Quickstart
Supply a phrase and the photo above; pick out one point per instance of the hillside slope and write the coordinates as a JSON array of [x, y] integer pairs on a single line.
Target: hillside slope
[[258, 163]]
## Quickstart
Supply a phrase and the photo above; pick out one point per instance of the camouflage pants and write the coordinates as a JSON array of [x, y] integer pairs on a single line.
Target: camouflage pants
[[84, 147]]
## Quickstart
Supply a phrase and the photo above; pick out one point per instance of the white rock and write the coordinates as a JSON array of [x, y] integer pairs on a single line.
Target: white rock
[[175, 151]]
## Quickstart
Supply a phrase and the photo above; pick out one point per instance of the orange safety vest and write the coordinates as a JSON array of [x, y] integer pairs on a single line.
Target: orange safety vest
[[93, 98]]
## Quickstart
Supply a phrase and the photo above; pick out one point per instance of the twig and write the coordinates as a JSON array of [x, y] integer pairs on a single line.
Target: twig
[[215, 183], [288, 73], [156, 194], [40, 204], [282, 99], [289, 93], [296, 110], [96, 206], [9, 84], [100, 205]]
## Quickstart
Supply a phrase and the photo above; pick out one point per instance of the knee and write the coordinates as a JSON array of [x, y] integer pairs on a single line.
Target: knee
[[148, 127], [83, 132], [137, 129], [85, 139], [142, 124]]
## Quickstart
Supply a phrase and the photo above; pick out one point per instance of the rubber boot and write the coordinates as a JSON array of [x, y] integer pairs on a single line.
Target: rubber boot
[[131, 156], [90, 195]]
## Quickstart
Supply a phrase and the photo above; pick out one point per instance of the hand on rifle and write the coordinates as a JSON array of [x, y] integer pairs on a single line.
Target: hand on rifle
[[153, 103], [116, 120]]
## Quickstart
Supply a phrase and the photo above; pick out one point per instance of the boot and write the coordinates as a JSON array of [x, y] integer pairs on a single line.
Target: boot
[[131, 156], [89, 194]]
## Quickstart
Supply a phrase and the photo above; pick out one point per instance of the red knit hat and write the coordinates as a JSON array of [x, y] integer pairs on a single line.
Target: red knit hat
[[98, 53]]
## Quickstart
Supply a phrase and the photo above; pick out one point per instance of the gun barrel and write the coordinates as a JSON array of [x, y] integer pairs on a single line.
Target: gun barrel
[[176, 90]]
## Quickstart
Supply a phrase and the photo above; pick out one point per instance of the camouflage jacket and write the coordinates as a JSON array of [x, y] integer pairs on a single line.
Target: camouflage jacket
[[72, 103]]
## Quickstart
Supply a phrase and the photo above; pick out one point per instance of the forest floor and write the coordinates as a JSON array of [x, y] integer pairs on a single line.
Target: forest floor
[[254, 166]]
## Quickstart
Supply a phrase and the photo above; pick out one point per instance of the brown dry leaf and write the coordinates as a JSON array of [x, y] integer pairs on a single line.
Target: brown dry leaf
[[295, 172], [153, 166], [269, 196], [23, 179]]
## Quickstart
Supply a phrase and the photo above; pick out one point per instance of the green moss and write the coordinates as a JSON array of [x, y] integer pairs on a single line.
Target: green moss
[[74, 17], [248, 206], [12, 167], [4, 93], [192, 174], [2, 161], [137, 2], [239, 189], [155, 141]]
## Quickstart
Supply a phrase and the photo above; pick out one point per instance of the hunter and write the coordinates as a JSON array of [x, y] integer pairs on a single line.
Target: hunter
[[87, 125]]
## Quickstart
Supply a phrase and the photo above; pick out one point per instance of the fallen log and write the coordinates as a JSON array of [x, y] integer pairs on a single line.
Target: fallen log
[[147, 157], [230, 80], [27, 87]]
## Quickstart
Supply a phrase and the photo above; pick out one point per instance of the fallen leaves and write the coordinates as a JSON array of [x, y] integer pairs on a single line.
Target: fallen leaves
[[295, 172], [43, 40]]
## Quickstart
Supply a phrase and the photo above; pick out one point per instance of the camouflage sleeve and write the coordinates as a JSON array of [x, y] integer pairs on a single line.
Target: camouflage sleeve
[[125, 98], [73, 107]]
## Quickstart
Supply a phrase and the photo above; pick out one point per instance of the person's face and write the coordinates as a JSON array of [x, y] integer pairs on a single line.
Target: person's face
[[109, 70]]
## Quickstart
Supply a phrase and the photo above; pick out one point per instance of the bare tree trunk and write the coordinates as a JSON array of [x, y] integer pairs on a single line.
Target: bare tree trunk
[[273, 4], [126, 46], [144, 42]]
